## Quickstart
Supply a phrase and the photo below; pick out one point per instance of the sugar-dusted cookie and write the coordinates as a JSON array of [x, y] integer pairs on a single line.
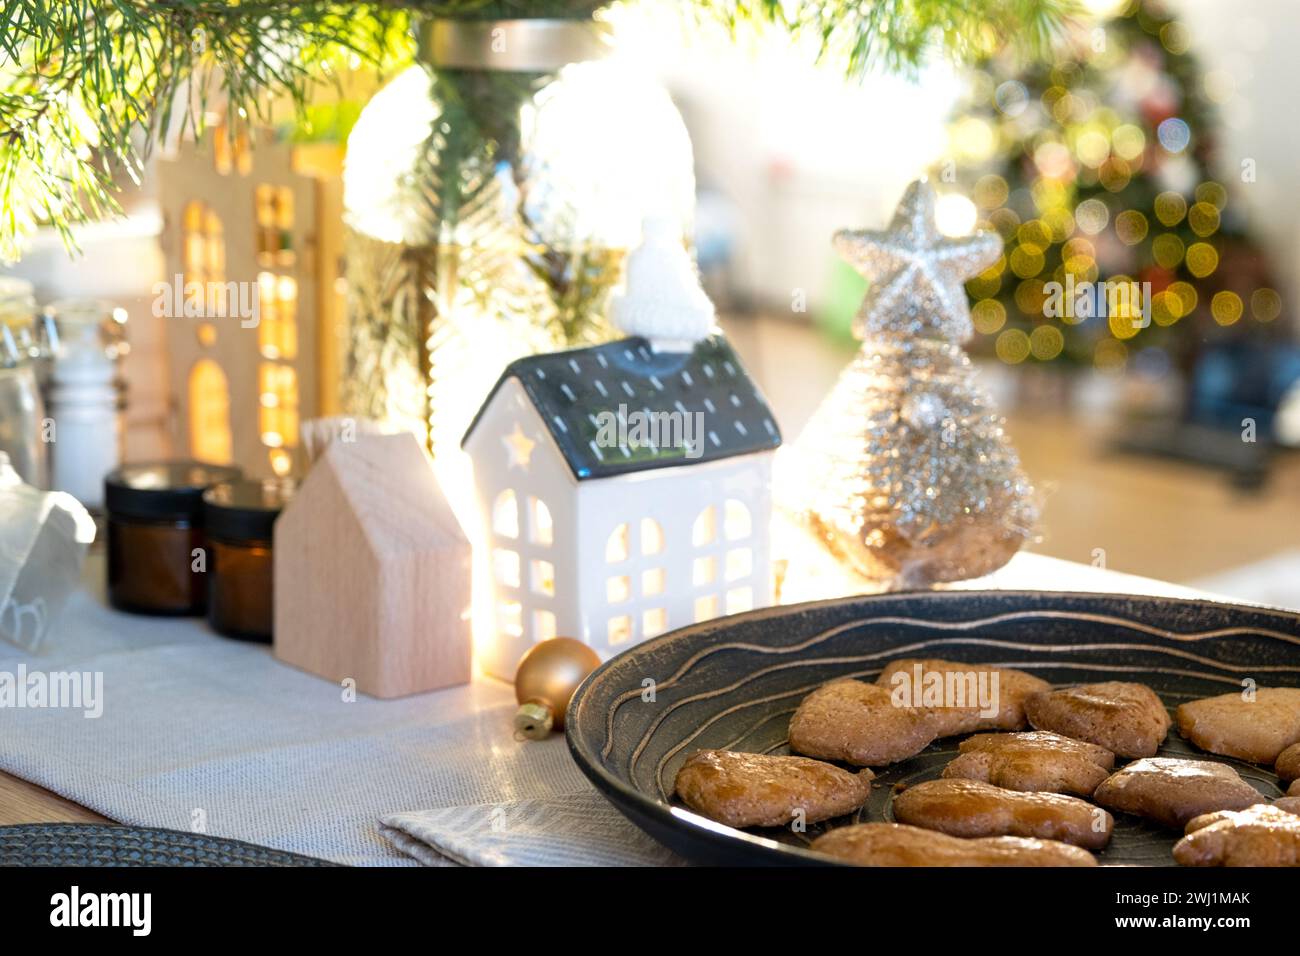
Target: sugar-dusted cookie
[[1288, 765], [1127, 719], [1260, 835], [1255, 727], [962, 697], [1172, 791], [757, 790], [893, 844], [968, 808], [1033, 761], [858, 723]]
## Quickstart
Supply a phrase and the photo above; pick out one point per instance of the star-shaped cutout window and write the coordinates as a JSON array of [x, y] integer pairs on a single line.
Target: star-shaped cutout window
[[519, 448]]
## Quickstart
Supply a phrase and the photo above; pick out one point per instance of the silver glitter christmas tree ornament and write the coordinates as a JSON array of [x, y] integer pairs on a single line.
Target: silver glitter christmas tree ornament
[[904, 472]]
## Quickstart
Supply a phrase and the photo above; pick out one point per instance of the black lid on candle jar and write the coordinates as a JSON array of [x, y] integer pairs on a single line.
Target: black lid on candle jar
[[245, 510], [163, 490]]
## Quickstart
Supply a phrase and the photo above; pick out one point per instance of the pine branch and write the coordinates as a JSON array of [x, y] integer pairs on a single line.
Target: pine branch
[[87, 85], [898, 34]]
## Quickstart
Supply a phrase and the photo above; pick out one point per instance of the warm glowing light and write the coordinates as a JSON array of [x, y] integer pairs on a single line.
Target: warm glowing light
[[1170, 207], [1166, 308], [1226, 307], [1026, 261], [1187, 295], [210, 437], [991, 191], [954, 214], [1203, 218], [1167, 249], [1092, 148], [1212, 193], [1129, 142], [1012, 346], [1046, 342], [973, 139], [1202, 259], [1030, 297], [1054, 160], [988, 316], [1092, 215]]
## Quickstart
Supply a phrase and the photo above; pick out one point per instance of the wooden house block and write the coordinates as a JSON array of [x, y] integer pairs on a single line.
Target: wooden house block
[[372, 572]]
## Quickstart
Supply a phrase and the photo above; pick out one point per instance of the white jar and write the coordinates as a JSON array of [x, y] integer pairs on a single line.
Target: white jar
[[83, 399]]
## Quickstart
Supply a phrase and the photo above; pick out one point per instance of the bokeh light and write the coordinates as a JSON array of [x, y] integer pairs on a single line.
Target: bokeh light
[[1265, 305], [1186, 293], [1212, 193], [1203, 218], [1202, 259], [1167, 249], [1174, 134], [988, 316], [1092, 216], [1226, 307], [1129, 142], [990, 191], [1013, 346], [1046, 342], [1011, 98], [1170, 207], [1131, 227]]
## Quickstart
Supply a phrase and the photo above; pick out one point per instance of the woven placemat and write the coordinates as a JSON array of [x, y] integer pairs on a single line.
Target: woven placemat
[[90, 844]]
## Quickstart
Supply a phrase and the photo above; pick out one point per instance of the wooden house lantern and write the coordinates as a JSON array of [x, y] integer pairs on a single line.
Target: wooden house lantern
[[250, 230], [372, 572], [624, 489]]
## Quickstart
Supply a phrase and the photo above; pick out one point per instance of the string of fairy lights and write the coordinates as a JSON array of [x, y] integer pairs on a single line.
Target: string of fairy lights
[[1095, 171]]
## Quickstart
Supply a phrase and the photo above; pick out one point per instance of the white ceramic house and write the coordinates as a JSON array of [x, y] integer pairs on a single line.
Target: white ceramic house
[[624, 488]]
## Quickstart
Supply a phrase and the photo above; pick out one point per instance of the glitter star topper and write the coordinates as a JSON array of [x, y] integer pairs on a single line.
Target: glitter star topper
[[917, 274]]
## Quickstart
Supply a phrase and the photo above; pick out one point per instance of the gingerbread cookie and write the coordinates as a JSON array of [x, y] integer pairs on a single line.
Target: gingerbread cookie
[[1260, 835], [968, 808], [757, 790], [1257, 727], [1127, 719], [1034, 761], [893, 844], [1171, 791], [963, 698], [860, 724]]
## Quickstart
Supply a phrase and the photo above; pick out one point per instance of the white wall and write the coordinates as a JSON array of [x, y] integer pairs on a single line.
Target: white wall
[[1254, 46]]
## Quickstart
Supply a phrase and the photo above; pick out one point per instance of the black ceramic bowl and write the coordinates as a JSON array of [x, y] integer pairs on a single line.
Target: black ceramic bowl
[[733, 684]]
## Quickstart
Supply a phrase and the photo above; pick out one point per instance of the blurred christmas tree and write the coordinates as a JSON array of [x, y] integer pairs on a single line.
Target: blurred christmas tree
[[1095, 168]]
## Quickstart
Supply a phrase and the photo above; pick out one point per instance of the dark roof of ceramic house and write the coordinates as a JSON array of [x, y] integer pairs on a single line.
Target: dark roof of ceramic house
[[579, 391]]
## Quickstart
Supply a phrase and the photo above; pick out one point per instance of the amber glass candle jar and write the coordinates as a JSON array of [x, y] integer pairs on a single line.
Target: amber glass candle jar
[[238, 519], [156, 561]]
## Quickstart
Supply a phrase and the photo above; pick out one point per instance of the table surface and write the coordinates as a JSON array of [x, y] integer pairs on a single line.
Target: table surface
[[23, 802]]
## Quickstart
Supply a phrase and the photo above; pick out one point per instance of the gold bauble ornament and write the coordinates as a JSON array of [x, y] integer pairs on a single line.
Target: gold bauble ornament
[[544, 684]]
